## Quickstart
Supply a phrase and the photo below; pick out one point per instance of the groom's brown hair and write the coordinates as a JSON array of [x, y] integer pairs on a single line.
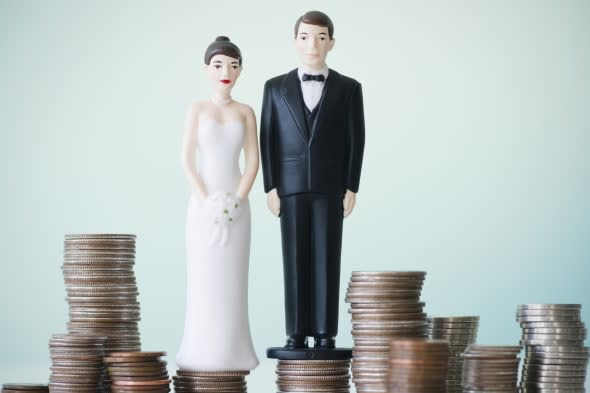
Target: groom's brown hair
[[316, 18]]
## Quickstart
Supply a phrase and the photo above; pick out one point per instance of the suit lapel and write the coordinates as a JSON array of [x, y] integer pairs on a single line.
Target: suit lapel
[[326, 104], [292, 96]]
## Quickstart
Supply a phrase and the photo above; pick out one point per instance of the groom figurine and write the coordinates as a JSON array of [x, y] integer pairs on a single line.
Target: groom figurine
[[312, 136]]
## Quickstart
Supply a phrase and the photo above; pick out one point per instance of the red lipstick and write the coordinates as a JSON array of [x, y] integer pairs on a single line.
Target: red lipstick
[[226, 81]]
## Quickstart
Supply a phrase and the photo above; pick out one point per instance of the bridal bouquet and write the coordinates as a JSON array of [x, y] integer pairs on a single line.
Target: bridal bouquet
[[223, 209]]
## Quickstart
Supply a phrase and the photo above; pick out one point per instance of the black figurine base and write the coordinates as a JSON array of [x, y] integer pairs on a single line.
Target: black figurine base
[[281, 353]]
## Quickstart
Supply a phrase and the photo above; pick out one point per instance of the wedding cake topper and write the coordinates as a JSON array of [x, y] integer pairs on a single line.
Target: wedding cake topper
[[312, 139], [217, 330]]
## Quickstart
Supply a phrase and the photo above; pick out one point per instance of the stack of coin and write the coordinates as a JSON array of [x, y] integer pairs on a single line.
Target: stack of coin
[[76, 363], [210, 381], [331, 376], [491, 369], [384, 305], [459, 332], [20, 388], [418, 366], [137, 372], [555, 358], [101, 288]]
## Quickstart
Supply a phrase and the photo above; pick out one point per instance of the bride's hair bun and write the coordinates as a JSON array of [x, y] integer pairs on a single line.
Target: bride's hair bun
[[223, 45]]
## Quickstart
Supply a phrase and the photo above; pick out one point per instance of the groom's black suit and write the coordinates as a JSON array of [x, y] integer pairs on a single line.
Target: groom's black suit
[[312, 158]]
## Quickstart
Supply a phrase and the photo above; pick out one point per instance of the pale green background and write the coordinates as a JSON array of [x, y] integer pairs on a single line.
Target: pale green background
[[476, 170]]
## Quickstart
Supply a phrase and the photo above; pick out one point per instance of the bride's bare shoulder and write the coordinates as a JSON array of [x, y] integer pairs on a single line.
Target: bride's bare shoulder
[[245, 110], [197, 107]]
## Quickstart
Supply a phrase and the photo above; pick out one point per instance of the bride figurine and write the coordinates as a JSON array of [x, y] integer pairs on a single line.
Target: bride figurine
[[217, 331]]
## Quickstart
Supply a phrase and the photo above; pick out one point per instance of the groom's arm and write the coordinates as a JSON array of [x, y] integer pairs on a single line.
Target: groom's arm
[[266, 140], [356, 137]]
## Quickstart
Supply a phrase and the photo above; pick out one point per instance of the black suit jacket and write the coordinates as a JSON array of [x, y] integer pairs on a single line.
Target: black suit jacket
[[325, 159]]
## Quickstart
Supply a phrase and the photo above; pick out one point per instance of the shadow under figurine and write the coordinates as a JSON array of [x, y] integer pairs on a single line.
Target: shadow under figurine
[[312, 138]]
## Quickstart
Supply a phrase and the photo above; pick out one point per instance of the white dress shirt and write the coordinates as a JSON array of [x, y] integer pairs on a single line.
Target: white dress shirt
[[312, 90]]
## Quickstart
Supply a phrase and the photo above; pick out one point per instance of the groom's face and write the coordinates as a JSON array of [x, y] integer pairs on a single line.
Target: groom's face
[[312, 44]]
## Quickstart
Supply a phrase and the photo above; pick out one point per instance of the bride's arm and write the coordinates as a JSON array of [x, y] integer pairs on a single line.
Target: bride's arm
[[250, 155], [189, 147]]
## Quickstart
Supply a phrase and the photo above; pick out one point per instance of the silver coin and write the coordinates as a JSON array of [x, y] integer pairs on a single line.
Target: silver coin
[[70, 254], [91, 249], [548, 306], [73, 339], [123, 316], [87, 261], [449, 335], [565, 373], [494, 349], [463, 319], [557, 363], [377, 286], [533, 356], [106, 297], [97, 267], [359, 358], [396, 274], [100, 281], [558, 366], [387, 324], [537, 318], [554, 336], [80, 236], [555, 330], [377, 282], [103, 292], [385, 293], [72, 276], [103, 287], [547, 312], [552, 386], [559, 349], [372, 300], [393, 304], [555, 359], [551, 325], [371, 348], [105, 307], [579, 342], [371, 340], [454, 340]]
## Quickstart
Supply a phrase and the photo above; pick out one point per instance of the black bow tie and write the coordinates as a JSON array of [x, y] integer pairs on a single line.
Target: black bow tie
[[309, 77]]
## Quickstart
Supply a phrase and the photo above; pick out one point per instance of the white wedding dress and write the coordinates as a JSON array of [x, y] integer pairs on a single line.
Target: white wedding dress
[[217, 330]]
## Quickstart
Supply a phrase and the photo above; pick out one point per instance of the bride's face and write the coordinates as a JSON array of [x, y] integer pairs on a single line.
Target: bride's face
[[223, 71]]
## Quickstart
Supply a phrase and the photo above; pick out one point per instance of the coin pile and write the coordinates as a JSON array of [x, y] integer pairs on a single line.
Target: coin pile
[[137, 372], [418, 366], [20, 388], [459, 332], [491, 369], [101, 289], [330, 376], [555, 358], [76, 363], [383, 305], [210, 381]]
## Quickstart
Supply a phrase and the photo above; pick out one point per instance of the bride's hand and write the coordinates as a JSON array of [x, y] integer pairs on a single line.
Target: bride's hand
[[199, 195]]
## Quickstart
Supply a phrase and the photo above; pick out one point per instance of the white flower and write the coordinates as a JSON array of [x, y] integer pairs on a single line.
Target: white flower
[[223, 209]]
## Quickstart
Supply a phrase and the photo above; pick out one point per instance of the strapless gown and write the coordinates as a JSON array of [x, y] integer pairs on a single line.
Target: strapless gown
[[217, 330]]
